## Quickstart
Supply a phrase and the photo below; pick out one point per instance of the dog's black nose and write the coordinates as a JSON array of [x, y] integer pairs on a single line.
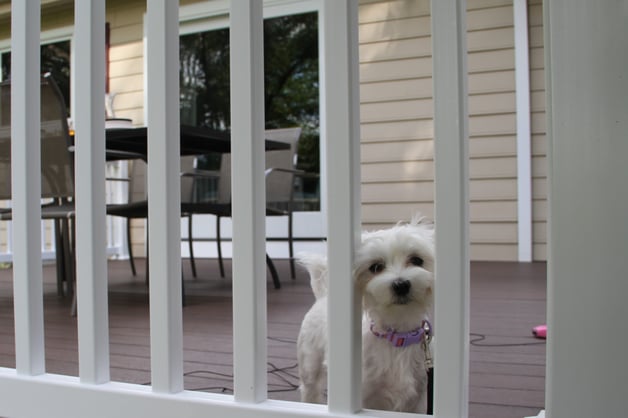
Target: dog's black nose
[[401, 287]]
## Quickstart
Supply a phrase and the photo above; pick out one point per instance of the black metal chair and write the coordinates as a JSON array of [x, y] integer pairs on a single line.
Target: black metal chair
[[280, 185], [57, 171], [137, 204]]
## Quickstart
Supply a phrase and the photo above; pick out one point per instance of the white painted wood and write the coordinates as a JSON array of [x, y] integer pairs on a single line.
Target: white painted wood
[[451, 357], [164, 196], [342, 156], [586, 61], [212, 15], [248, 201], [70, 397], [66, 397], [26, 187], [91, 244], [524, 147]]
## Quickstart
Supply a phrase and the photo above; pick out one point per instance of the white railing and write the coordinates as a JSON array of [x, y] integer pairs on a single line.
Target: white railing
[[27, 391]]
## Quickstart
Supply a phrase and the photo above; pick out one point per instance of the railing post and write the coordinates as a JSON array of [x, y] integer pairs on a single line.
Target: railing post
[[342, 131], [164, 195], [248, 191], [26, 187], [91, 238], [586, 57], [451, 208]]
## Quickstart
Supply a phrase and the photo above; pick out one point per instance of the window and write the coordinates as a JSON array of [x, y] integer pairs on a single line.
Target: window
[[55, 59], [291, 87]]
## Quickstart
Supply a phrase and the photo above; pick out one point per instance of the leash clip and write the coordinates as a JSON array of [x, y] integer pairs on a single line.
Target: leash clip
[[427, 339]]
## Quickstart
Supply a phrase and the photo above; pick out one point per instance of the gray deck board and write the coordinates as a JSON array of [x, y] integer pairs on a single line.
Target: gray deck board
[[507, 365]]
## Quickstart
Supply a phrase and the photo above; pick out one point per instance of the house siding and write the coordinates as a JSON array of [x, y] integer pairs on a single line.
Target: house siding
[[397, 128], [492, 107], [397, 113]]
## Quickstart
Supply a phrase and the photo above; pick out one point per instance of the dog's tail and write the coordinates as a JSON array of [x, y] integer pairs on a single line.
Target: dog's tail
[[316, 265]]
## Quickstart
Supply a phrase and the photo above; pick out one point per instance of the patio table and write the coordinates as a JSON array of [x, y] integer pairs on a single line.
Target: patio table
[[132, 143]]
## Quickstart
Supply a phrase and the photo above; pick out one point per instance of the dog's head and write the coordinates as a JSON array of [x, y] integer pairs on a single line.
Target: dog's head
[[395, 272]]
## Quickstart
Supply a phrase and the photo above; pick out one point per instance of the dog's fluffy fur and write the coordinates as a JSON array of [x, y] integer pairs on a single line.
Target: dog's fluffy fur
[[393, 378]]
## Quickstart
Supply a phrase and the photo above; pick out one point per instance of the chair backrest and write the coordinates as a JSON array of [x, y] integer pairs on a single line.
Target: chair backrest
[[188, 183], [138, 181], [279, 186], [57, 163]]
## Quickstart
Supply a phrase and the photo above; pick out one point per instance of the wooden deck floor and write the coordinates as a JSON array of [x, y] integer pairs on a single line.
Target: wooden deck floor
[[507, 364]]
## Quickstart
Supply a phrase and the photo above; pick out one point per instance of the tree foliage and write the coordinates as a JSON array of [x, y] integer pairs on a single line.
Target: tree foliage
[[55, 59], [290, 79]]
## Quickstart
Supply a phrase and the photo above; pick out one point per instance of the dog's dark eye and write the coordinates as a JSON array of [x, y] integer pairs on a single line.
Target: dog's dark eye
[[376, 268], [416, 260]]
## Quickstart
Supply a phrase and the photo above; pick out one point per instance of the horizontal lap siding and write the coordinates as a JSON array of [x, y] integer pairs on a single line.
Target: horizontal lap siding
[[492, 106], [397, 129], [126, 58], [126, 77], [396, 113]]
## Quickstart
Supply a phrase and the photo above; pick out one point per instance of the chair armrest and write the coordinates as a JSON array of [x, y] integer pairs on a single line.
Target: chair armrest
[[298, 173], [116, 155], [282, 170], [124, 179], [309, 175], [200, 173]]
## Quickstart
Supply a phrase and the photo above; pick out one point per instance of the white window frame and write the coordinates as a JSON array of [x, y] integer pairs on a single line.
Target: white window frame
[[201, 17]]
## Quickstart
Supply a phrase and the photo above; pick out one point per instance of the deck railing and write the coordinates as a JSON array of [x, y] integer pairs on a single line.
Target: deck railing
[[28, 391]]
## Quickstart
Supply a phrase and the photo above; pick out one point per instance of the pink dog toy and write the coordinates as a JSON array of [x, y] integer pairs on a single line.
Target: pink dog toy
[[540, 331]]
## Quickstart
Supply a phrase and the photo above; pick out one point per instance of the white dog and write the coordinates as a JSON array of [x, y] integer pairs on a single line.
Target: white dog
[[394, 274]]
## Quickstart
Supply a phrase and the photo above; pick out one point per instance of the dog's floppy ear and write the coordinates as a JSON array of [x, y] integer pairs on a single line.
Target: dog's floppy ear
[[316, 266]]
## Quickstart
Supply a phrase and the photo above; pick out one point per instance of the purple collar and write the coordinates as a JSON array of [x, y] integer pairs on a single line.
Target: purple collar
[[404, 339]]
